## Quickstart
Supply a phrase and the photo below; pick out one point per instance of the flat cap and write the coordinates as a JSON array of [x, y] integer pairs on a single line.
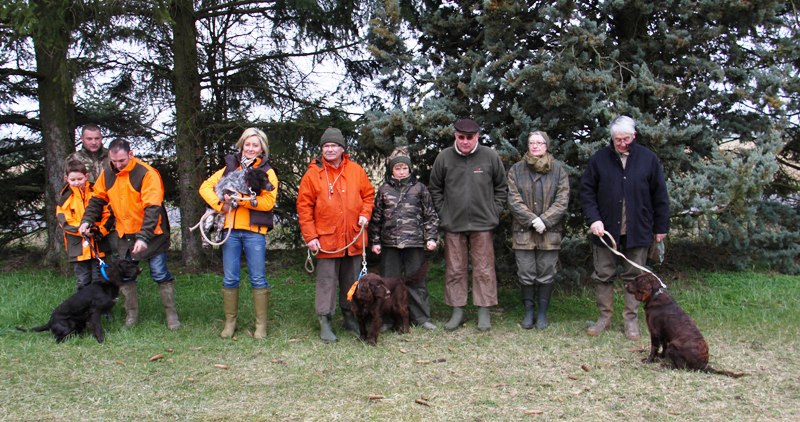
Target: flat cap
[[466, 126]]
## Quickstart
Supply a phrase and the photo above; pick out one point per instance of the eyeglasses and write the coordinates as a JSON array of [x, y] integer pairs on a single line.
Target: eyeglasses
[[466, 137], [622, 139]]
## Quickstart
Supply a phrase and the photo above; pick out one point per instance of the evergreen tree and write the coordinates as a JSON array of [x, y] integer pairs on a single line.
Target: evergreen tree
[[713, 94]]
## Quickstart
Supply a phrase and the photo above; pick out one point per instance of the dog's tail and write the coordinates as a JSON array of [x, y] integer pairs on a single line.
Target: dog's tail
[[731, 374], [418, 275], [34, 329]]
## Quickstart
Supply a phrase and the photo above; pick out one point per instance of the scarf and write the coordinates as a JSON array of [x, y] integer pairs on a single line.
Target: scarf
[[541, 164]]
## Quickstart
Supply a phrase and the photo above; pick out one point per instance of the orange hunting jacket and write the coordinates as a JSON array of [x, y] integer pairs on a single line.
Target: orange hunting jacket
[[240, 216], [136, 195], [69, 212], [328, 207]]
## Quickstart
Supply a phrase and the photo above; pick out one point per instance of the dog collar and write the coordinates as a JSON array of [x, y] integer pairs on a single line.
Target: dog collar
[[658, 292]]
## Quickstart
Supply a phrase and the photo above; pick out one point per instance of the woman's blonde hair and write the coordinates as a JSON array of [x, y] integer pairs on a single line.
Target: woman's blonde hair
[[259, 134]]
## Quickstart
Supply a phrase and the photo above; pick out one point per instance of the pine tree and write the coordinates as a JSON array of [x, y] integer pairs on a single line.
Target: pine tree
[[714, 95]]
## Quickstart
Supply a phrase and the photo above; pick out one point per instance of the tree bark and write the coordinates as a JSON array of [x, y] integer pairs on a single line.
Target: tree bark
[[51, 41], [186, 84]]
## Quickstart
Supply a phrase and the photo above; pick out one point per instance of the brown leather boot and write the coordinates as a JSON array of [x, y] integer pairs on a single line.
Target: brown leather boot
[[167, 290], [261, 306], [630, 316], [128, 291], [230, 304], [605, 303]]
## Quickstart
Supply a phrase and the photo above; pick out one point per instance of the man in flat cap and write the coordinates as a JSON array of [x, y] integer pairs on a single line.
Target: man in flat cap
[[468, 187], [334, 205]]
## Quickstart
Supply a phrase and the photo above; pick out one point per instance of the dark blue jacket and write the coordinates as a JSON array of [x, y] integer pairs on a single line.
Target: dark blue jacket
[[641, 183]]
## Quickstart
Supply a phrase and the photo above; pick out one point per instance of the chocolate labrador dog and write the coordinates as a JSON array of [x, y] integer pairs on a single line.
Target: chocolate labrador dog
[[87, 305], [671, 329]]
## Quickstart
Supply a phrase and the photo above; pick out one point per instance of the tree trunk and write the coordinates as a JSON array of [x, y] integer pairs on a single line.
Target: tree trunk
[[189, 127], [56, 107]]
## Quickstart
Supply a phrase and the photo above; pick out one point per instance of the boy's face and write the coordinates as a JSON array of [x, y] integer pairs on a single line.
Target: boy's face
[[400, 171], [76, 179]]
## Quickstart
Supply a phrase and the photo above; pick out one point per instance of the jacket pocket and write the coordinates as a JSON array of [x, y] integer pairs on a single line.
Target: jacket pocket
[[327, 238], [522, 237]]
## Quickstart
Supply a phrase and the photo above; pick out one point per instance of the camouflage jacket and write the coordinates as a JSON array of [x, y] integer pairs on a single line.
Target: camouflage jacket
[[404, 216], [94, 162]]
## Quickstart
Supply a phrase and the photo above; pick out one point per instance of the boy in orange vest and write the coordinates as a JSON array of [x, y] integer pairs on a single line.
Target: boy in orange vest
[[69, 211]]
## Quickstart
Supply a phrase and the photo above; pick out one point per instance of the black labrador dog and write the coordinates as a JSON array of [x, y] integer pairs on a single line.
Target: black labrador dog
[[88, 304]]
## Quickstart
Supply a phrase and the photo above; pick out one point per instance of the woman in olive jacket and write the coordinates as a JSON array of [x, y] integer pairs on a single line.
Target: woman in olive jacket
[[538, 195]]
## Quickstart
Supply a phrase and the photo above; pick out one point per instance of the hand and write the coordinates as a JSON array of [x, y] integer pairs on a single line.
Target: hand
[[431, 245], [362, 221], [139, 247], [597, 228], [83, 229], [660, 237], [313, 245], [226, 207], [376, 249], [538, 225]]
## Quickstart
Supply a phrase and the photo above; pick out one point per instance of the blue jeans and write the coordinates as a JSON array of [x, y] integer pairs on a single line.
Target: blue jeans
[[158, 268], [254, 246]]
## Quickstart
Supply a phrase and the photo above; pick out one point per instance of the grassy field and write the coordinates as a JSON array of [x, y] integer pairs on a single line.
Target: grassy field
[[750, 320]]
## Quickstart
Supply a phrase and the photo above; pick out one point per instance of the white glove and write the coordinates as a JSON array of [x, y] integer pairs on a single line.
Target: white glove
[[538, 225]]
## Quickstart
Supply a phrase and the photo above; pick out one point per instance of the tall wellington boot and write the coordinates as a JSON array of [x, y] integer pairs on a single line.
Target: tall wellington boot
[[325, 329], [167, 290], [605, 303], [545, 290], [128, 291], [230, 304], [261, 307], [630, 316], [527, 304]]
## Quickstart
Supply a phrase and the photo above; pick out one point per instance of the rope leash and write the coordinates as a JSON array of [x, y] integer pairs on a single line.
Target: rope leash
[[210, 213], [618, 253], [309, 265]]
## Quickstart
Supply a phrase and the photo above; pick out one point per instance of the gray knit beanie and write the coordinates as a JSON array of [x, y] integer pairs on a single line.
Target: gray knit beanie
[[334, 135]]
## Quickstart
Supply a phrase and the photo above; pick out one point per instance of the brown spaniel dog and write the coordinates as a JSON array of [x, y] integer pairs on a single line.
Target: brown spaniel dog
[[376, 296], [671, 329]]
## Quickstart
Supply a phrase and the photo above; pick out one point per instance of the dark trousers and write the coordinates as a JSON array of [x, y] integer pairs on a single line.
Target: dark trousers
[[397, 262], [86, 272]]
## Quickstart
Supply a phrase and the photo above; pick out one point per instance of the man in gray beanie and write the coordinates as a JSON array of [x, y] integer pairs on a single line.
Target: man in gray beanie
[[469, 190], [334, 205]]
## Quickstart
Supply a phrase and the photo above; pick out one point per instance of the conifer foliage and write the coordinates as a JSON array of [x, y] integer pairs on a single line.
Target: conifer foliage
[[715, 96]]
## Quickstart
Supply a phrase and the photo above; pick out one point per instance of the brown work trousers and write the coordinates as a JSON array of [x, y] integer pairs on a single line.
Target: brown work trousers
[[459, 250], [333, 273]]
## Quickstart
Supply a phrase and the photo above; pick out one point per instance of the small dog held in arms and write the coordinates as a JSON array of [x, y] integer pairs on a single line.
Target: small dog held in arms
[[671, 329], [250, 181], [87, 305], [376, 297]]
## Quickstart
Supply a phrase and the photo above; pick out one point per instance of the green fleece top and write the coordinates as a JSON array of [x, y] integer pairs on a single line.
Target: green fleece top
[[468, 192]]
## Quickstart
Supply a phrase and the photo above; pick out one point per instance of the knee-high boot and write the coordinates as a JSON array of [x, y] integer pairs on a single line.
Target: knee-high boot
[[545, 290], [230, 304], [167, 290], [605, 303], [528, 305], [261, 307], [128, 291], [630, 316]]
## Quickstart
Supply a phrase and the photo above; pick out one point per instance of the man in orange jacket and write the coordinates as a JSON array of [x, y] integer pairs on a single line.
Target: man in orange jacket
[[334, 205], [135, 192]]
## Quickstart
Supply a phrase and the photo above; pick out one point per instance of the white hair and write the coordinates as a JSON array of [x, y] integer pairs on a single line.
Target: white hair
[[622, 124]]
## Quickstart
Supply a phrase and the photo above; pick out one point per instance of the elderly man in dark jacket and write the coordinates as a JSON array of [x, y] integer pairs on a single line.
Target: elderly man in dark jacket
[[624, 193]]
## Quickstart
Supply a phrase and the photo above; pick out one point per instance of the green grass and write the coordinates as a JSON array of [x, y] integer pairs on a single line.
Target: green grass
[[750, 320]]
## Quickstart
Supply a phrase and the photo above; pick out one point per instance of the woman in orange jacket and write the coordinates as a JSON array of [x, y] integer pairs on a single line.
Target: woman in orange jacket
[[249, 220], [71, 205]]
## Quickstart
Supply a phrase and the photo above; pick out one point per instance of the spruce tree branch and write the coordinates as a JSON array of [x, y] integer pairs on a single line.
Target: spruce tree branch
[[266, 58]]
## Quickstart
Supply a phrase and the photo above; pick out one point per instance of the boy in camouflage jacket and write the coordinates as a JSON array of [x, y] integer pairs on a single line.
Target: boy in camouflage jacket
[[404, 224]]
